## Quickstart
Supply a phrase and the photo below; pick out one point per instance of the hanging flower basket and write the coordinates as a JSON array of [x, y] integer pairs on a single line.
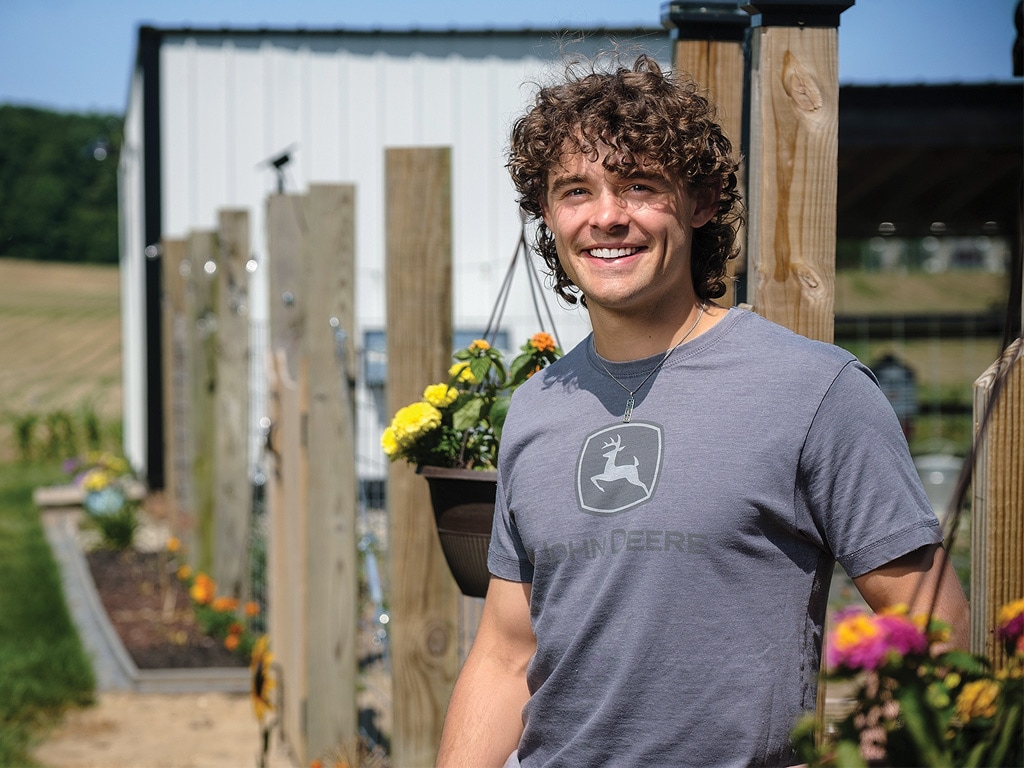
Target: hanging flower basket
[[463, 502]]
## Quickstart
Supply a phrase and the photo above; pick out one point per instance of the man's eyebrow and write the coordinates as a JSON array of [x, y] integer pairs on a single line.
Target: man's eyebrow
[[570, 180]]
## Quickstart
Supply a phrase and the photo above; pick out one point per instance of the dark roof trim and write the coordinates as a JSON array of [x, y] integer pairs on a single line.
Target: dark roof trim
[[399, 32]]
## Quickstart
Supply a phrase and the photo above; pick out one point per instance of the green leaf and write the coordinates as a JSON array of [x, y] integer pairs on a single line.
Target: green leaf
[[467, 415]]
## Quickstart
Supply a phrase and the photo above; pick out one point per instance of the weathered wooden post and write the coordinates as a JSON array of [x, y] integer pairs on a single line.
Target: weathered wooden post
[[232, 498], [175, 367], [312, 558], [793, 163], [424, 597], [201, 327], [332, 560], [287, 462], [997, 514], [709, 46]]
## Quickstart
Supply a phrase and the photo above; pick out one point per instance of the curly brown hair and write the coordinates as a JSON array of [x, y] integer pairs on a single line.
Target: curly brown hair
[[647, 118]]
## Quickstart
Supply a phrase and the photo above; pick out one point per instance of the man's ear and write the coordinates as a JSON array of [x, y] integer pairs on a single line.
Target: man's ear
[[544, 211], [705, 207]]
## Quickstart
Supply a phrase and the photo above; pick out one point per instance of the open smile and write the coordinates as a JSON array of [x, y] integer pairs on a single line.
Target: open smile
[[612, 253]]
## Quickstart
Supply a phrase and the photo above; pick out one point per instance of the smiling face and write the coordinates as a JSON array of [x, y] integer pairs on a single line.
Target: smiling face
[[624, 237]]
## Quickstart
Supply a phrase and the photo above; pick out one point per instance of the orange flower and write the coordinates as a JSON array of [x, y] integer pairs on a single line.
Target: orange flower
[[542, 342], [203, 589], [225, 604], [235, 628], [252, 608], [479, 345], [173, 544], [184, 573], [231, 642]]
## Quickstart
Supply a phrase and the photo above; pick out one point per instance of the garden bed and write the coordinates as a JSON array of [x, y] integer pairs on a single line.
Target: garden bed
[[151, 612]]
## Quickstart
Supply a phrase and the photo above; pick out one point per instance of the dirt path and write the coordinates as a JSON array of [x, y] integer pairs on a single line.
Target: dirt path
[[132, 730]]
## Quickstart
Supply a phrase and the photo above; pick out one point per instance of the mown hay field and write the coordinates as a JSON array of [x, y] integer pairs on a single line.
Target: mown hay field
[[60, 342]]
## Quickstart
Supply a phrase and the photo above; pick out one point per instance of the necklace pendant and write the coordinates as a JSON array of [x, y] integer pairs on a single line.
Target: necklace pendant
[[629, 410]]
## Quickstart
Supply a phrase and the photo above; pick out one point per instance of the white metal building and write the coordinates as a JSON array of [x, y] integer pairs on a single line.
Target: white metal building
[[208, 108]]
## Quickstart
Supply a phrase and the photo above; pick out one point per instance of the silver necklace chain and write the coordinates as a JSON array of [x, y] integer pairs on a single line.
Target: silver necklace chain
[[628, 414]]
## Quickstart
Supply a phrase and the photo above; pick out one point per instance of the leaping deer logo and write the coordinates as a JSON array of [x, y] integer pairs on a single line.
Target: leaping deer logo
[[613, 471]]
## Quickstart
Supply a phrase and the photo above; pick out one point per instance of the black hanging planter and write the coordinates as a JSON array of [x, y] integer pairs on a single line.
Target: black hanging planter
[[463, 501]]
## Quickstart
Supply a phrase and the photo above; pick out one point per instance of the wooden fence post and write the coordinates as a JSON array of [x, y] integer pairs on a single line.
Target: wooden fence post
[[175, 368], [793, 165], [287, 463], [424, 598], [332, 560], [232, 497], [201, 327], [709, 46], [997, 514]]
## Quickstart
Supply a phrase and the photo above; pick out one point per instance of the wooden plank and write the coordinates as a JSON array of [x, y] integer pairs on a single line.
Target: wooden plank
[[332, 562], [794, 144], [424, 598], [997, 513], [232, 497], [174, 366], [201, 327], [287, 464], [719, 67]]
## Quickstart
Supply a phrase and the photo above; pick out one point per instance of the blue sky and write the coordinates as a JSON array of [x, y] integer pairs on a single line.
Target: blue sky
[[76, 55]]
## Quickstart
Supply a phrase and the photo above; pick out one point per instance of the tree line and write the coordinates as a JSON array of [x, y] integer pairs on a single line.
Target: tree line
[[58, 185]]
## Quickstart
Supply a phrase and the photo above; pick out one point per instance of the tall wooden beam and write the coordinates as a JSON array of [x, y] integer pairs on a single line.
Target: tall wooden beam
[[288, 466], [332, 561], [424, 597], [793, 164], [232, 498], [710, 37], [201, 326]]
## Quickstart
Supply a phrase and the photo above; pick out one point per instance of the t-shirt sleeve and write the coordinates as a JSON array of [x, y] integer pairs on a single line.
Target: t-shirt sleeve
[[858, 483], [507, 557]]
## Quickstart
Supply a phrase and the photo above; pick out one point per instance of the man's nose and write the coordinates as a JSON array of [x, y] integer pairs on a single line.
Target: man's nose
[[609, 211]]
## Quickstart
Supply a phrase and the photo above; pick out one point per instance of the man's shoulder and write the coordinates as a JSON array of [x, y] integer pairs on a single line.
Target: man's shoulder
[[769, 338]]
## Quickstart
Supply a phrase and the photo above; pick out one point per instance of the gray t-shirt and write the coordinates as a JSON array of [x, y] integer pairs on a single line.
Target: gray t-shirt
[[681, 562]]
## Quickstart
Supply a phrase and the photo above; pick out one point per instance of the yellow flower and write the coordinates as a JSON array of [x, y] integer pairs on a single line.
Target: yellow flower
[[542, 342], [173, 544], [1010, 611], [96, 480], [977, 699], [184, 572], [203, 589], [389, 442], [853, 630], [262, 678], [440, 395], [462, 373], [479, 345], [414, 421]]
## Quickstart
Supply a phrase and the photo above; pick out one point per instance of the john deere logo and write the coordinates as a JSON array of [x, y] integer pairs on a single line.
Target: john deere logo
[[618, 467]]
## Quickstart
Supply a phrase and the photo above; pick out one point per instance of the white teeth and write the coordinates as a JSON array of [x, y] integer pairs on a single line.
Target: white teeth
[[612, 253]]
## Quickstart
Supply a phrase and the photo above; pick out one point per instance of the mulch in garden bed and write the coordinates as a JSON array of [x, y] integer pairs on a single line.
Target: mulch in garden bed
[[153, 614]]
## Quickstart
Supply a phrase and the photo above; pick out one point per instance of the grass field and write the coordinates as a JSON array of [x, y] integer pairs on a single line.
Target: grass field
[[60, 335], [60, 342]]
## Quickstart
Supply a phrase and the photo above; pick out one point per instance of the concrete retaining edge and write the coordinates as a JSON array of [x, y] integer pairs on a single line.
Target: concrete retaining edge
[[112, 664]]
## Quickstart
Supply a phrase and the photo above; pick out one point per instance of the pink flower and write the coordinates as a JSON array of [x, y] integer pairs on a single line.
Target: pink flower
[[862, 641]]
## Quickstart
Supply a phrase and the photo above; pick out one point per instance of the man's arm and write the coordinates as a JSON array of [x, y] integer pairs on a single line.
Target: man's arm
[[916, 580], [484, 720]]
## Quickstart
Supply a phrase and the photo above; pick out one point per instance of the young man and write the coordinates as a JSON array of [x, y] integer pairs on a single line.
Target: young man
[[674, 492]]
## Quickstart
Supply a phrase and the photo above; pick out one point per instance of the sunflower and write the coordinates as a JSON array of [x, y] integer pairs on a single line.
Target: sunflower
[[262, 678]]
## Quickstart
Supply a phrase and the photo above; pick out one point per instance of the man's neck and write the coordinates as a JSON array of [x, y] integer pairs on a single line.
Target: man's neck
[[625, 337]]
